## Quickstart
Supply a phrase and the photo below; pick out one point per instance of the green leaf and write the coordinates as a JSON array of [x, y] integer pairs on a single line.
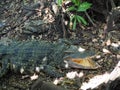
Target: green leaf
[[71, 18], [82, 20], [78, 19], [84, 6], [72, 8], [74, 23], [76, 2], [59, 2]]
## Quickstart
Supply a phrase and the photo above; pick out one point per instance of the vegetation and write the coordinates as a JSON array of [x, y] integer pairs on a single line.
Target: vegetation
[[88, 25], [77, 7]]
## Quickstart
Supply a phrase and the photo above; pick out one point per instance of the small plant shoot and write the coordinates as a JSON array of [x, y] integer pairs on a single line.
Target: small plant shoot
[[76, 7]]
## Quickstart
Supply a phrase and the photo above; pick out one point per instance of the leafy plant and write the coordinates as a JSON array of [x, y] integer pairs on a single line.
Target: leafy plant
[[76, 7], [77, 19]]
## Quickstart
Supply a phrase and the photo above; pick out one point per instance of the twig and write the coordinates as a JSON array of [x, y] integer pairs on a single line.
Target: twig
[[63, 26], [90, 19], [112, 4]]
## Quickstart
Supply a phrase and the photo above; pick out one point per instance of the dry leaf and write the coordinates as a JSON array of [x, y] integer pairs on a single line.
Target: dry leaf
[[115, 45], [54, 7], [71, 75], [80, 49], [115, 73], [58, 80], [100, 79], [108, 42], [34, 77], [37, 69], [106, 51], [95, 82]]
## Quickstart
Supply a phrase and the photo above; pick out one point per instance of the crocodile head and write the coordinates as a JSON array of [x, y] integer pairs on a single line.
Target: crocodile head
[[77, 57]]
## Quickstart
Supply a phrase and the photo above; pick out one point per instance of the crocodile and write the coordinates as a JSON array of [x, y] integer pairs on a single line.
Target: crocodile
[[34, 55]]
